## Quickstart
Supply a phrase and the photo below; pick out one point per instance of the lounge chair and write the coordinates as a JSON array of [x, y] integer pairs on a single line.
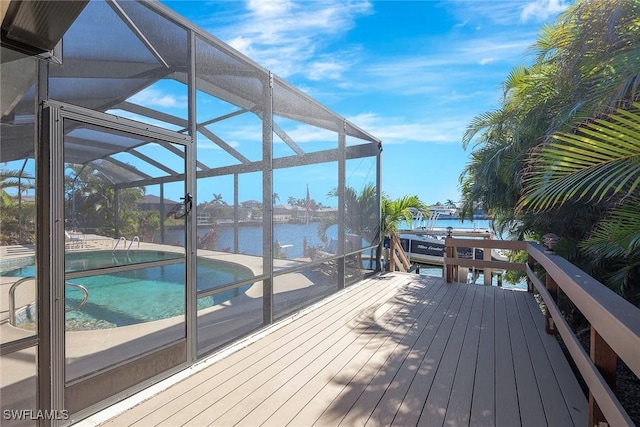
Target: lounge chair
[[74, 241]]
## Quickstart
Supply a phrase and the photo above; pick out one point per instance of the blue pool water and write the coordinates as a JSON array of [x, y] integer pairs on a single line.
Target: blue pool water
[[137, 296]]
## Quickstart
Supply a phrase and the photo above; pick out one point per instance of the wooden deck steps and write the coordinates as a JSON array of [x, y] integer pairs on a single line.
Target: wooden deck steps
[[398, 349]]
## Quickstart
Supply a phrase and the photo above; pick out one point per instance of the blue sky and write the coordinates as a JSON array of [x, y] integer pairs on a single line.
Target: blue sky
[[411, 73]]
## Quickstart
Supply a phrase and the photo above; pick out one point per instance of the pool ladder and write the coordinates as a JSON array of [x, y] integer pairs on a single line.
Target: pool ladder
[[12, 298], [135, 239], [118, 242]]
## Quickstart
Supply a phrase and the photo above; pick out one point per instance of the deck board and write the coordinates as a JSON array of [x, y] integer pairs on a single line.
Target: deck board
[[284, 387], [572, 394], [484, 400], [398, 367], [400, 403], [435, 407], [507, 410], [399, 349], [256, 370], [351, 381], [459, 405], [530, 403], [356, 390], [432, 363], [556, 412]]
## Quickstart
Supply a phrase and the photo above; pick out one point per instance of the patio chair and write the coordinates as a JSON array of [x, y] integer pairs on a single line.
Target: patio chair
[[76, 240]]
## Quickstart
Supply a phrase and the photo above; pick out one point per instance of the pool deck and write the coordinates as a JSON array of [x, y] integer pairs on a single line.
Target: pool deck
[[14, 254], [395, 349], [87, 349]]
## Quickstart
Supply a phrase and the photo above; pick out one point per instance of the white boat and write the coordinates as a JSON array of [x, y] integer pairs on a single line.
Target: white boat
[[425, 244], [430, 250]]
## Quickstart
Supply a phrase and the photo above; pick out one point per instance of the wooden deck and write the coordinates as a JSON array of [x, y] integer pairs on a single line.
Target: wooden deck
[[399, 349]]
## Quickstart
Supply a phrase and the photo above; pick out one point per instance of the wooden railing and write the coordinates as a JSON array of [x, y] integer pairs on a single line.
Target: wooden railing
[[397, 258], [615, 323]]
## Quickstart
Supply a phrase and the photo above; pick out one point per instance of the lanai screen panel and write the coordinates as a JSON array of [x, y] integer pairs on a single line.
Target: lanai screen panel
[[18, 376], [18, 76], [231, 94], [225, 75], [362, 193], [124, 58], [361, 217], [291, 103]]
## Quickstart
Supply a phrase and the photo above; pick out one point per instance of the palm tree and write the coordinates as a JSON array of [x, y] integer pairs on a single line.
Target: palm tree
[[600, 164], [394, 212], [527, 157], [17, 218], [594, 51], [361, 213], [218, 199]]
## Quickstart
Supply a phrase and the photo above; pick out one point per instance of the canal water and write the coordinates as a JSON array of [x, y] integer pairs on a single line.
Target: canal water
[[292, 237]]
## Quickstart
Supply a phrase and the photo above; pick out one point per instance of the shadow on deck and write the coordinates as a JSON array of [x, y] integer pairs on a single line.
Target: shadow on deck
[[396, 349]]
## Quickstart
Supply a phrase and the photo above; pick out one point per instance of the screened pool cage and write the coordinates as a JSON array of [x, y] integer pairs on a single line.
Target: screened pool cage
[[163, 196]]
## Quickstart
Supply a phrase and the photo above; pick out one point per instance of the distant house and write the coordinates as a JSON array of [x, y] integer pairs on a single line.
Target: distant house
[[251, 204]]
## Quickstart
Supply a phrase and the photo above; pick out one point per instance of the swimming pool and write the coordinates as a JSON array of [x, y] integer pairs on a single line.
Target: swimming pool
[[136, 296]]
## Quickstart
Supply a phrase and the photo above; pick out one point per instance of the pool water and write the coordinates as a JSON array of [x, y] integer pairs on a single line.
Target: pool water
[[137, 296]]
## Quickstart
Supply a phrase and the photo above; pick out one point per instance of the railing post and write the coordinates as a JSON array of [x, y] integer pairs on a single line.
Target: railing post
[[605, 360], [392, 254], [455, 268], [486, 272], [531, 262], [403, 262], [448, 256], [552, 287]]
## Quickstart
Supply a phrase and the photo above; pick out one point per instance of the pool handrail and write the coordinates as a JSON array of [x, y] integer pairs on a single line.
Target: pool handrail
[[12, 298], [85, 297], [135, 238], [118, 242]]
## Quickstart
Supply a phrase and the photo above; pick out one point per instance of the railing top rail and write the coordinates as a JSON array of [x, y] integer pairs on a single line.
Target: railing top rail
[[485, 234], [615, 319], [514, 245]]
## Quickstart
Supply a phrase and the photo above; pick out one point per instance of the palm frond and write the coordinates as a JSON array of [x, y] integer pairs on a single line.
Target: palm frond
[[600, 161], [618, 235]]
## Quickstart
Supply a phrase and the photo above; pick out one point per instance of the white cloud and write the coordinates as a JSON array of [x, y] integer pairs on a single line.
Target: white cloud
[[285, 37], [144, 119], [327, 69], [464, 64], [269, 8], [241, 44], [485, 61], [483, 15], [150, 97], [303, 133], [540, 10], [396, 130]]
